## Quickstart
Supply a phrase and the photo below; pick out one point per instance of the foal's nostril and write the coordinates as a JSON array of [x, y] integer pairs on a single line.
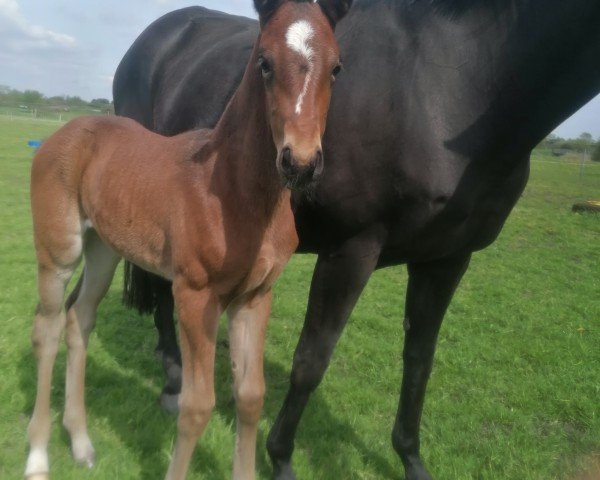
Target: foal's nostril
[[286, 160], [318, 164]]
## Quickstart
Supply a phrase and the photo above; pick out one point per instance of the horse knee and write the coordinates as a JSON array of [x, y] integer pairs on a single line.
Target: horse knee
[[249, 401], [193, 416]]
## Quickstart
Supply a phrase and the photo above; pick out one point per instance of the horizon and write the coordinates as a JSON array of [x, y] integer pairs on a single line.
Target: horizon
[[63, 48]]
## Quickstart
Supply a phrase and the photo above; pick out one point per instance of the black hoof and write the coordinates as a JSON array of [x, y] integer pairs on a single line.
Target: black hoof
[[169, 402], [283, 471], [417, 472]]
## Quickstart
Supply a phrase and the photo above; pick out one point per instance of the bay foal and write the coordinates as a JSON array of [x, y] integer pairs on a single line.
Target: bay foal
[[208, 209]]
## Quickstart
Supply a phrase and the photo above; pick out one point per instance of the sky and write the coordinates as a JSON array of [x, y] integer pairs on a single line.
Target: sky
[[72, 47]]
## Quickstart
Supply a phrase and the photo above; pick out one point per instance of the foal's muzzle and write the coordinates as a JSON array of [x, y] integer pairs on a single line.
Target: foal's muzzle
[[299, 174]]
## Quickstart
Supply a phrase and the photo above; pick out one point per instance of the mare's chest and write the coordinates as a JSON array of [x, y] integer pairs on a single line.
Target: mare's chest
[[452, 210]]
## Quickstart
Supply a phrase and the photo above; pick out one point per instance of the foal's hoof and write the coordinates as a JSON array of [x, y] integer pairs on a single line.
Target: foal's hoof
[[283, 471], [83, 453], [37, 476], [169, 402]]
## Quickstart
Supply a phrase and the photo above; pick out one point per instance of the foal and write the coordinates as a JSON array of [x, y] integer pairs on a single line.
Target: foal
[[221, 227]]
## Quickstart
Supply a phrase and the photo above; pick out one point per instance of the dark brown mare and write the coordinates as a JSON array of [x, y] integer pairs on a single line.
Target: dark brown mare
[[98, 189]]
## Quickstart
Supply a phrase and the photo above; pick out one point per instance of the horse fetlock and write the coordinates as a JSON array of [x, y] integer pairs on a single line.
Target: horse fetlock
[[283, 471], [411, 459], [173, 371], [169, 402], [37, 464], [280, 452], [416, 472], [405, 446]]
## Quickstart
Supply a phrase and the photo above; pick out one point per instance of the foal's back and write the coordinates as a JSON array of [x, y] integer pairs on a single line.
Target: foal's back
[[95, 165]]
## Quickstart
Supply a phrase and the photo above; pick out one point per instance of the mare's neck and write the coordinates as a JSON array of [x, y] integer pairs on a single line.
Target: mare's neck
[[511, 70], [242, 138]]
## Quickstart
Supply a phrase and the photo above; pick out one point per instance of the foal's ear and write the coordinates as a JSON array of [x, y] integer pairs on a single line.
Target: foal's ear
[[335, 9], [266, 8]]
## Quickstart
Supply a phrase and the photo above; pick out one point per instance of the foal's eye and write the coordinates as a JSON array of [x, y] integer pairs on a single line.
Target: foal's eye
[[335, 72], [265, 67]]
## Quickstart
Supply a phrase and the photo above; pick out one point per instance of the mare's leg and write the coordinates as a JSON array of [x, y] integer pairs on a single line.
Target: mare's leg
[[58, 252], [198, 324], [100, 264], [338, 280], [248, 319], [430, 289], [167, 344]]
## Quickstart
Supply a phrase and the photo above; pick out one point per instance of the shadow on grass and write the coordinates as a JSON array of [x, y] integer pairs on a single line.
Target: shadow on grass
[[126, 398]]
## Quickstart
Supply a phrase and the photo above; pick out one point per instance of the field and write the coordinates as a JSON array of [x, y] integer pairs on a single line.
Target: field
[[515, 392]]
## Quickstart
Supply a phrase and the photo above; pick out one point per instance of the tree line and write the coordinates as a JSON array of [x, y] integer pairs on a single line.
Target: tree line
[[32, 99], [585, 143]]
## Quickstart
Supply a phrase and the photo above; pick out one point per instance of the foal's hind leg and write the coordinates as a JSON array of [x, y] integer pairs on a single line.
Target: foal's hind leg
[[247, 325], [56, 262], [100, 264]]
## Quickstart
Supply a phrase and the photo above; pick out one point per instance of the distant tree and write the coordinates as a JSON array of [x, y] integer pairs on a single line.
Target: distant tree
[[75, 101], [551, 141], [586, 136], [32, 97], [57, 100], [100, 101]]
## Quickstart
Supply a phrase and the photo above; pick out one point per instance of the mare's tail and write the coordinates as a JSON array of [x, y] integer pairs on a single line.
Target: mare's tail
[[140, 288]]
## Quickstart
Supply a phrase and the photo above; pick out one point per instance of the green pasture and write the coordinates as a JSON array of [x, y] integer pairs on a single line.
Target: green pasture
[[515, 392]]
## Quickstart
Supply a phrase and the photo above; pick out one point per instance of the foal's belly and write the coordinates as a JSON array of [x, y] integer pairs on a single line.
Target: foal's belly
[[148, 250]]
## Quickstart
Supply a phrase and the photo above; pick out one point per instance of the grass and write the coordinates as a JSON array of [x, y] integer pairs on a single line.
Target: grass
[[515, 392]]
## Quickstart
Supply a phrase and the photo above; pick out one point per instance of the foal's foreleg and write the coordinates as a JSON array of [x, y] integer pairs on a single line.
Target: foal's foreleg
[[198, 324], [100, 264], [248, 319]]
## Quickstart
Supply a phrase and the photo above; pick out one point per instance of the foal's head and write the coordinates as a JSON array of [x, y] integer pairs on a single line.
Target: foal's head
[[298, 60]]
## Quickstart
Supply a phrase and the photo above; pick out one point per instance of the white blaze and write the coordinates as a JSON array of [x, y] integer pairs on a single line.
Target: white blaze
[[297, 38]]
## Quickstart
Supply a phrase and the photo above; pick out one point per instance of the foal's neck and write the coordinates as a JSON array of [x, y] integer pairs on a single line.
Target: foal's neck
[[244, 144]]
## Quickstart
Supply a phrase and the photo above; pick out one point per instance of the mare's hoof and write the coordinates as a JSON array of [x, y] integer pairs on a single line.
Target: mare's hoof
[[417, 472], [283, 471], [37, 476], [169, 402]]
